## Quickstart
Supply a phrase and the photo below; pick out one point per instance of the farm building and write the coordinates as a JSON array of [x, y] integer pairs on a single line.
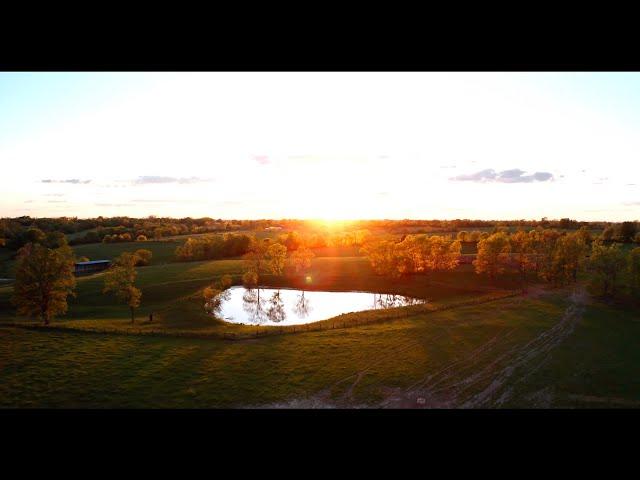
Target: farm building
[[83, 268]]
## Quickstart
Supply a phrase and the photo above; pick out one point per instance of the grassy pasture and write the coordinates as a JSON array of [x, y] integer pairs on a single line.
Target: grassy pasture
[[453, 348], [5, 262], [80, 234], [597, 365], [163, 251]]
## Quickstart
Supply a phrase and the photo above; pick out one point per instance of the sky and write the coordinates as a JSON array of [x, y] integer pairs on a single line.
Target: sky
[[321, 145]]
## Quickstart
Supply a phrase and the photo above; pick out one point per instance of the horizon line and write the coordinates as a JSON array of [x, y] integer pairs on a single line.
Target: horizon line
[[322, 219]]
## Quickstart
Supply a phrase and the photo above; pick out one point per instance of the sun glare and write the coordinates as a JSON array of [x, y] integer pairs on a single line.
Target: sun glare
[[333, 224]]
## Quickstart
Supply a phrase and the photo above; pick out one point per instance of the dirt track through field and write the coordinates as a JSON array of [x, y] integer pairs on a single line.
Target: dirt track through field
[[465, 383]]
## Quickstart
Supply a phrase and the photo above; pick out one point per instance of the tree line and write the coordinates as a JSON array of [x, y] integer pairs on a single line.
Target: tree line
[[213, 247], [413, 254], [548, 255], [13, 231]]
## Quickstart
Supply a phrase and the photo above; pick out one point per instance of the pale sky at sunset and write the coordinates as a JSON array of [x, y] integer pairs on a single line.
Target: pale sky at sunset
[[321, 145]]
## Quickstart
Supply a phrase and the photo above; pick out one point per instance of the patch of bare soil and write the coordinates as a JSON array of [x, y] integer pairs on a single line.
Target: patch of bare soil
[[301, 403], [543, 398], [535, 291]]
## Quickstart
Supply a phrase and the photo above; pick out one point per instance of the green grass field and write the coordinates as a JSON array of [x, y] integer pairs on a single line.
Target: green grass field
[[163, 251], [458, 357], [475, 344], [5, 262]]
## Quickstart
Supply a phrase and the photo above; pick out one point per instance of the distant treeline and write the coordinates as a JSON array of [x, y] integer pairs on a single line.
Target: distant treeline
[[213, 247], [15, 232]]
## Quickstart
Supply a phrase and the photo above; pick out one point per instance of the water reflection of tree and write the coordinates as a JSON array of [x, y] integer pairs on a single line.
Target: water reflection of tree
[[260, 309], [302, 306], [391, 301], [275, 309], [253, 304], [214, 304]]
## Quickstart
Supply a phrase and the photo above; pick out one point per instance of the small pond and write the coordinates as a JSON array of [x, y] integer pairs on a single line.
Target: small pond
[[270, 306]]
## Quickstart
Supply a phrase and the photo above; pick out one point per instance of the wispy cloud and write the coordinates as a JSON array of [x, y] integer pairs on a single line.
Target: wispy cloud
[[482, 176], [113, 204], [75, 181], [151, 200], [169, 201], [514, 175], [153, 179], [54, 194], [56, 201]]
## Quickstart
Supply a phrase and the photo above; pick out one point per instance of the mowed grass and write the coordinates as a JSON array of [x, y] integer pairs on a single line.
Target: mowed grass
[[353, 366], [162, 251], [5, 262], [598, 367]]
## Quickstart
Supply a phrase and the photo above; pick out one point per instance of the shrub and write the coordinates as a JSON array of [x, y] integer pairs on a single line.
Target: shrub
[[250, 279], [225, 282], [143, 257]]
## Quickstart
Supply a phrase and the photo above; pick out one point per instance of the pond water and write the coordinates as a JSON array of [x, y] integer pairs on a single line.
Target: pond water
[[270, 306]]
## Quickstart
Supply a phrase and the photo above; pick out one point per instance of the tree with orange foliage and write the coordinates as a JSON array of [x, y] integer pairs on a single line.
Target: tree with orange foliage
[[493, 254], [120, 279], [44, 280], [301, 258], [522, 247]]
